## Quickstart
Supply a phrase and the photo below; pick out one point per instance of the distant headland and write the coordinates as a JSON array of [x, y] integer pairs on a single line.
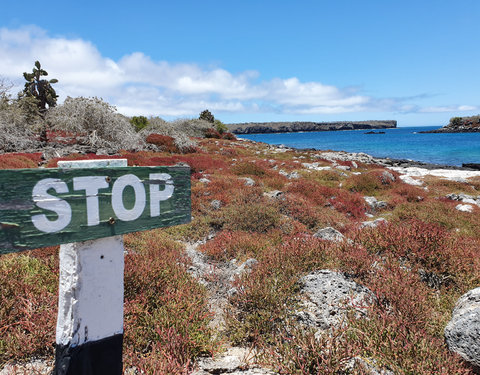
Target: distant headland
[[302, 126], [470, 124]]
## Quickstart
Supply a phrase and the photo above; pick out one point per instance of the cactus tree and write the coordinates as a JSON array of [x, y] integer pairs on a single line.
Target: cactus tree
[[40, 89], [207, 116]]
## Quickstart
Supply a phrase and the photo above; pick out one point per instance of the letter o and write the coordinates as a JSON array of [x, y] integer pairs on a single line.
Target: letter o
[[119, 186]]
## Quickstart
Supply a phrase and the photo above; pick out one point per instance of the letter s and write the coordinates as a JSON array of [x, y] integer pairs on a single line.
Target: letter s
[[49, 202]]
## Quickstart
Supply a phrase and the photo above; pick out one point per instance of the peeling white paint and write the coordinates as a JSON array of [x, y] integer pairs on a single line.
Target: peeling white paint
[[90, 305], [94, 163]]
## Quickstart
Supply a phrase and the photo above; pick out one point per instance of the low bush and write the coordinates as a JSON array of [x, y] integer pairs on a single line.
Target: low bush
[[248, 168], [301, 352], [299, 208], [212, 133], [229, 136], [390, 340], [252, 217], [19, 122], [371, 182], [239, 245], [314, 192], [327, 178], [351, 204], [164, 142], [443, 259], [189, 127], [98, 120], [407, 193], [442, 186], [441, 212], [139, 122], [181, 131]]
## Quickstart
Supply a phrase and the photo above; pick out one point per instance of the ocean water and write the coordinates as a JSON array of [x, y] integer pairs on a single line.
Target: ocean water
[[399, 143]]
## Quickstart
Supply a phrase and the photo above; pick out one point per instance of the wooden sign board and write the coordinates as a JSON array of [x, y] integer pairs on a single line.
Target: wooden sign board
[[45, 207]]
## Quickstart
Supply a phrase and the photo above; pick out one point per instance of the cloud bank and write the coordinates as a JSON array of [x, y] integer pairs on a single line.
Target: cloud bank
[[137, 85]]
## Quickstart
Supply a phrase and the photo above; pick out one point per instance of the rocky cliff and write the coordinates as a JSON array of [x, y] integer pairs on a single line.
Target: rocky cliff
[[298, 126], [469, 124]]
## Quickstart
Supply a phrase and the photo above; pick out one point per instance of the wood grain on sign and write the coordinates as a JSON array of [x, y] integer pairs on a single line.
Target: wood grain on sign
[[45, 207]]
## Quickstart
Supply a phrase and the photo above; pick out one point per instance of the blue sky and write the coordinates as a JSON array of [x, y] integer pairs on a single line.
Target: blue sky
[[413, 61]]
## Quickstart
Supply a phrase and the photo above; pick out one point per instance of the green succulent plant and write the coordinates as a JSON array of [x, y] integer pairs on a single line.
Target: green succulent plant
[[40, 89]]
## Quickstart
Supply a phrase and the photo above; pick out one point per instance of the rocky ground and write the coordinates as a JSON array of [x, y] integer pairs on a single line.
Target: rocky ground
[[327, 298]]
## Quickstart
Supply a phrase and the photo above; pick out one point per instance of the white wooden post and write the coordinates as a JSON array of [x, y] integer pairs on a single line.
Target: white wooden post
[[90, 307]]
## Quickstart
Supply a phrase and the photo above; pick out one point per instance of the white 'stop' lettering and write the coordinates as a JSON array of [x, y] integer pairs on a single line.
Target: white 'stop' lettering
[[117, 197], [49, 202], [91, 185]]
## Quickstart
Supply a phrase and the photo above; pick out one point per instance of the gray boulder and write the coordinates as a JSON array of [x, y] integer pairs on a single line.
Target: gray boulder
[[291, 176], [373, 224], [329, 234], [248, 181], [216, 204], [374, 204], [387, 177], [245, 267], [275, 194], [462, 333], [366, 366], [464, 207], [235, 361], [464, 198], [327, 296]]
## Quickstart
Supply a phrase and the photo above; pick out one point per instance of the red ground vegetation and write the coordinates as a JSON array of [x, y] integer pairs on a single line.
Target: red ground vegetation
[[20, 160], [417, 265]]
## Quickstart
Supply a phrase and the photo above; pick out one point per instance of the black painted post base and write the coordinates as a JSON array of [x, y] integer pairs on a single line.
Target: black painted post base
[[102, 357]]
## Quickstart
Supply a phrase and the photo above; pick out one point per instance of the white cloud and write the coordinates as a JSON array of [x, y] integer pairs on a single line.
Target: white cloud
[[442, 109], [138, 85]]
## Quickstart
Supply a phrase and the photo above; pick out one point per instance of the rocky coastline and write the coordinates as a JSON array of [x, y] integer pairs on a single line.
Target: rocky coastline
[[303, 126], [387, 162], [459, 125]]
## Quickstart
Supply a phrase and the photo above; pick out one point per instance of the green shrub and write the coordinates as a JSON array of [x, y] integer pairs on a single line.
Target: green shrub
[[456, 121], [206, 115], [220, 126], [139, 122]]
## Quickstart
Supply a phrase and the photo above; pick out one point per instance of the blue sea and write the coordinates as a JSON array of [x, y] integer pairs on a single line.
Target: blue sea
[[398, 143]]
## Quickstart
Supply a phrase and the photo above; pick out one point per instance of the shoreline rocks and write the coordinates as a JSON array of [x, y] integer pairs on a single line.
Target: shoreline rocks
[[469, 124]]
